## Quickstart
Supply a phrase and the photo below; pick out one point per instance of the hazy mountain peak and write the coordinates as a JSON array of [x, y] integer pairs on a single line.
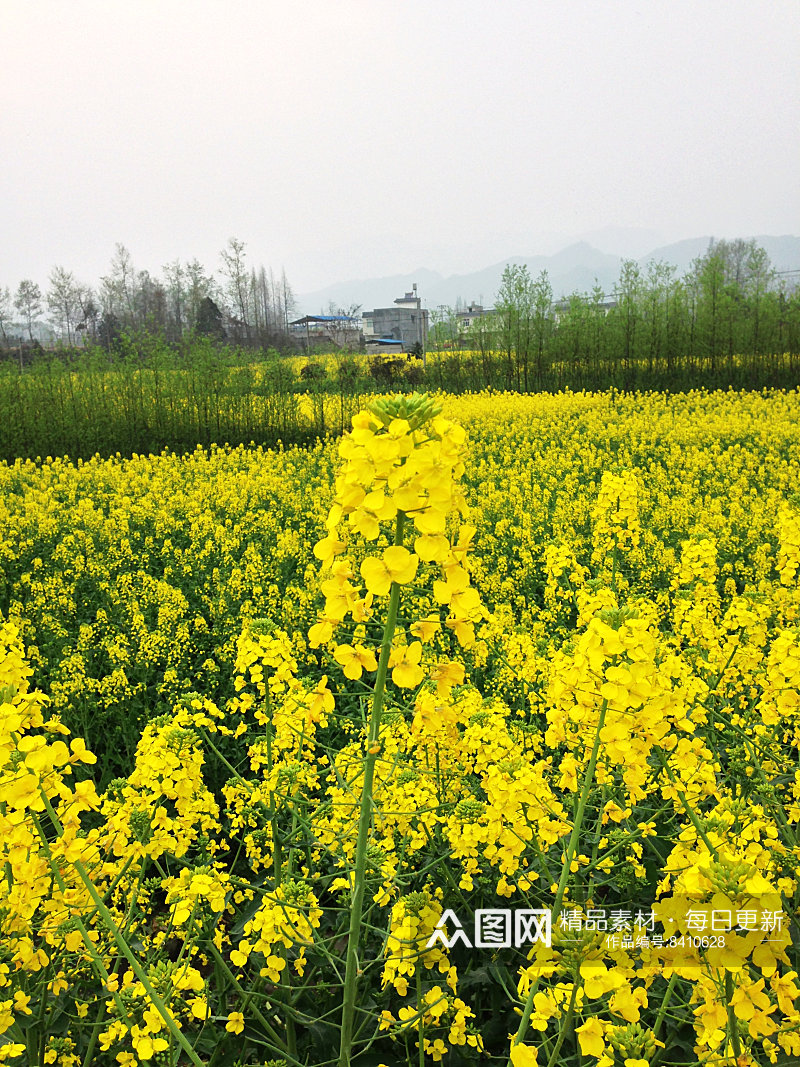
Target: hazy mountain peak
[[578, 267]]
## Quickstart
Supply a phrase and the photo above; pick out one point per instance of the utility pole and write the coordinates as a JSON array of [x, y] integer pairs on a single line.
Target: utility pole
[[421, 337]]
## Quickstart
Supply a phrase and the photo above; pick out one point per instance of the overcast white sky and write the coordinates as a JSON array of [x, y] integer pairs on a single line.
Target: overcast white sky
[[359, 137]]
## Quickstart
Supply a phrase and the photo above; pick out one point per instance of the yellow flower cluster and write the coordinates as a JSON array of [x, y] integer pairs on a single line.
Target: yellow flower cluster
[[285, 921], [397, 468], [789, 535], [440, 1016], [51, 864], [412, 922], [36, 766], [616, 515]]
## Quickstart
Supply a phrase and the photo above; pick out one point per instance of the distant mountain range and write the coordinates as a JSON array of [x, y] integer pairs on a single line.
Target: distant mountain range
[[577, 268]]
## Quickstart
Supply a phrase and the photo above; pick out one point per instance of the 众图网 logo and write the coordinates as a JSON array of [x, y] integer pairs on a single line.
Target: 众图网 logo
[[495, 928]]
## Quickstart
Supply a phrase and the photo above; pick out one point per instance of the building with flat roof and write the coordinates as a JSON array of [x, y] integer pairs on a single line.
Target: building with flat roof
[[342, 331], [467, 315], [406, 322]]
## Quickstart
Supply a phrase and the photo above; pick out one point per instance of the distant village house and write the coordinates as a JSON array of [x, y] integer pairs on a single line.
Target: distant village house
[[341, 331], [403, 327]]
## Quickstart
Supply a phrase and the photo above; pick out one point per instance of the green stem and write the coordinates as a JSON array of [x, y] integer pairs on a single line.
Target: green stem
[[662, 1011], [732, 1025], [246, 1000], [291, 1031], [95, 1033], [365, 816], [276, 841], [292, 833], [687, 806], [588, 778], [567, 1022], [122, 945], [421, 1010], [91, 948], [40, 1029]]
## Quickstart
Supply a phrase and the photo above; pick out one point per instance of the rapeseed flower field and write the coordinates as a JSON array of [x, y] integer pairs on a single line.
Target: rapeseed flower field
[[469, 738]]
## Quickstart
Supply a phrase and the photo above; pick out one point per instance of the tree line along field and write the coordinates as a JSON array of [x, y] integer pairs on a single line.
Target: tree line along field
[[730, 299], [523, 653], [161, 380]]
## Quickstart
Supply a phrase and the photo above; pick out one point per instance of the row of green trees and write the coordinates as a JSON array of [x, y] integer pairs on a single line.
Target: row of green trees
[[654, 326], [241, 303]]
